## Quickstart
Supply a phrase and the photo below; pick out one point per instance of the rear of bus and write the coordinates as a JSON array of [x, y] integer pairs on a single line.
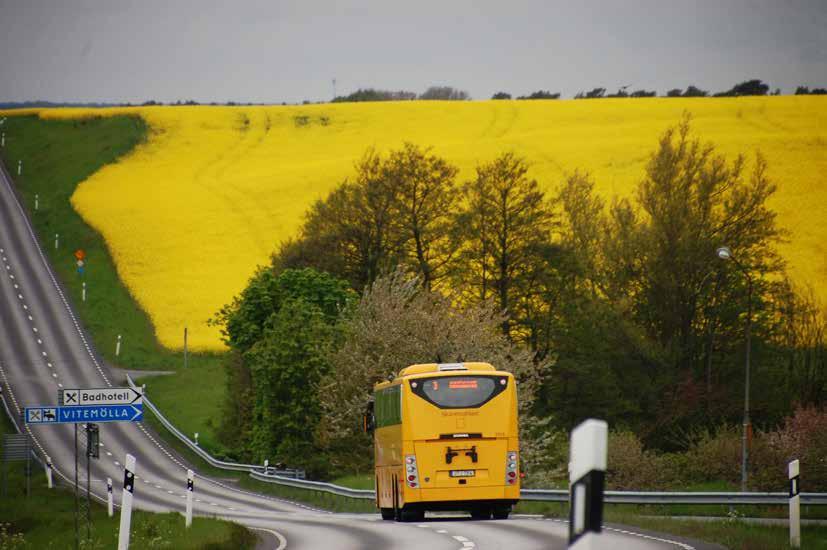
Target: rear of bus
[[458, 440]]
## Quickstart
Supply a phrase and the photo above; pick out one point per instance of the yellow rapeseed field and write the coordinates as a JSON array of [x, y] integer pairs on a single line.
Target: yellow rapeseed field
[[189, 214]]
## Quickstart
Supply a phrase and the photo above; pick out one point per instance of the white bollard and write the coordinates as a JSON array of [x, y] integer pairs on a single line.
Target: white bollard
[[3, 140], [126, 503], [49, 471], [57, 240], [110, 501], [118, 346], [83, 292], [36, 202], [196, 439], [587, 472], [190, 489], [795, 505], [19, 167], [266, 464]]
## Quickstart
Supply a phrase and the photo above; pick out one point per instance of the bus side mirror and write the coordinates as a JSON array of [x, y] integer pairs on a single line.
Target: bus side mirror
[[368, 420]]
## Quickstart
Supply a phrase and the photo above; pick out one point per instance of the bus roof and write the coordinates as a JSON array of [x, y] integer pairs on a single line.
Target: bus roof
[[448, 369], [444, 367]]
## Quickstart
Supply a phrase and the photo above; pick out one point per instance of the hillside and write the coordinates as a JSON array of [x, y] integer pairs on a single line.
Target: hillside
[[191, 212]]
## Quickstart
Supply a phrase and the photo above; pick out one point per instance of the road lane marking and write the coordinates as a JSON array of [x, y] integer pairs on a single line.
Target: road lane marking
[[460, 538], [282, 541]]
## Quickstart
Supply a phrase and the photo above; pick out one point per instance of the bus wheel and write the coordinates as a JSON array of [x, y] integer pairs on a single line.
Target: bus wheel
[[481, 513], [387, 513], [501, 513]]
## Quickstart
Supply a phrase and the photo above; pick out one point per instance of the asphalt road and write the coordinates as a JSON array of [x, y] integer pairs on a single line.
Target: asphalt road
[[43, 348]]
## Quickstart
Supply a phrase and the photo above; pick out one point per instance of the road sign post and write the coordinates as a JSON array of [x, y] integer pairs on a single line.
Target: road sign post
[[795, 505], [110, 504], [49, 471], [587, 472], [190, 489], [126, 503]]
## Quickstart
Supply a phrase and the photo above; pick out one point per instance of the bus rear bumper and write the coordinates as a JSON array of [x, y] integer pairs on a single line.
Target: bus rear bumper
[[446, 499]]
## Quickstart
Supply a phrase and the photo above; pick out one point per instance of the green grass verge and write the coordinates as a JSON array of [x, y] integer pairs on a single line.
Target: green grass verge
[[57, 155], [45, 519]]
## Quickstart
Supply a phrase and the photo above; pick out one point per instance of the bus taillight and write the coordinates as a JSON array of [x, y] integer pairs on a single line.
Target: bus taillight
[[413, 473], [511, 467]]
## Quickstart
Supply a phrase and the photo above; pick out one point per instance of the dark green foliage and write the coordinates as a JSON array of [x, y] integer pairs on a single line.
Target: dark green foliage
[[748, 87], [541, 94], [371, 94], [805, 90], [445, 93], [501, 95], [279, 331], [595, 93], [397, 211]]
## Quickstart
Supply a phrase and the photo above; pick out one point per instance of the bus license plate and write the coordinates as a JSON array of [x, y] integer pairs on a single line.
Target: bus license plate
[[462, 473]]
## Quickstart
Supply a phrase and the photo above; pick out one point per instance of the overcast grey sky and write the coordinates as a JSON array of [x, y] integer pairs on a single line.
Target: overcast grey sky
[[286, 50]]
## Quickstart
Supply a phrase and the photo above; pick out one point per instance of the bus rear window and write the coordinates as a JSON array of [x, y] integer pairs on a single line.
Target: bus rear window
[[459, 392]]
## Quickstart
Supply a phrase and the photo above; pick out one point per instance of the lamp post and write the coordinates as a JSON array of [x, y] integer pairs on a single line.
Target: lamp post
[[726, 254]]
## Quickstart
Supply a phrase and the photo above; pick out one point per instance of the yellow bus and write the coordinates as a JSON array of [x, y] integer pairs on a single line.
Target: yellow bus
[[445, 438]]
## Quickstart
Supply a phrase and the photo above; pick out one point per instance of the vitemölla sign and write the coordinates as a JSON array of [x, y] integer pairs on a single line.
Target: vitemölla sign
[[84, 414], [100, 396]]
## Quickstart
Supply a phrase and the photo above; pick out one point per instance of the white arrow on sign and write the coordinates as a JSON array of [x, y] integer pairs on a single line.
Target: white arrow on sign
[[103, 396]]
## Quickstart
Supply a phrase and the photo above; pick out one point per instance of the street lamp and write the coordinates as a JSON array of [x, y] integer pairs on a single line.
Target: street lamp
[[726, 254]]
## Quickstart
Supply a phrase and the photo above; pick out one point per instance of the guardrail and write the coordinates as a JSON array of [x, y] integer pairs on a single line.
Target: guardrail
[[562, 495], [295, 478], [211, 460], [673, 497], [363, 494]]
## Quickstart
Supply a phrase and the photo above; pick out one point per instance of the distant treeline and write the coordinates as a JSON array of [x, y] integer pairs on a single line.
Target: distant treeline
[[753, 87], [447, 93]]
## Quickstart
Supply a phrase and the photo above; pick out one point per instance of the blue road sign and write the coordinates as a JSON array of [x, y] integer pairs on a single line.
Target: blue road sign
[[84, 413]]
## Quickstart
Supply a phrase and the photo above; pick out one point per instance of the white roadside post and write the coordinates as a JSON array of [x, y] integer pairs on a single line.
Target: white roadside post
[[83, 295], [587, 472], [126, 503], [266, 465], [49, 471], [795, 505], [3, 140], [190, 489], [118, 347], [36, 202], [19, 167], [110, 501], [196, 439], [57, 240]]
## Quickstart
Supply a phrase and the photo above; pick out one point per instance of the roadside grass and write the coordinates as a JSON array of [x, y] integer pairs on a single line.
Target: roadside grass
[[316, 499], [45, 519], [733, 534], [356, 481], [57, 155]]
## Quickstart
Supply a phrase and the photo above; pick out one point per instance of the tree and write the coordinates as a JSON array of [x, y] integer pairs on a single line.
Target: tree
[[445, 93], [371, 94], [541, 94], [506, 220], [501, 95], [398, 322], [278, 330], [643, 93], [746, 88], [595, 93], [674, 92], [692, 91], [350, 232], [423, 210], [400, 209]]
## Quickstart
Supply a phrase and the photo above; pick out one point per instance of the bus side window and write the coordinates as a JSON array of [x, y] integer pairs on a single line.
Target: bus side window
[[368, 420]]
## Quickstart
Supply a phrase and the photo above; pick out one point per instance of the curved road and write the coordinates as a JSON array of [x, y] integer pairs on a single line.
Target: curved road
[[43, 348]]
